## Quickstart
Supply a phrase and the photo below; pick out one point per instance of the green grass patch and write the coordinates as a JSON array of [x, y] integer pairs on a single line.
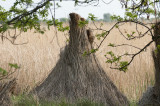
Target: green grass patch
[[27, 100]]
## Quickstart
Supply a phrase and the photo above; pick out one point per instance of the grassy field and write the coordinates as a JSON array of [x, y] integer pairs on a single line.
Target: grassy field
[[40, 54]]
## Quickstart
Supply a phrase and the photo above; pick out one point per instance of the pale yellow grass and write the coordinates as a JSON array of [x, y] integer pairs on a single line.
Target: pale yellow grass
[[41, 53]]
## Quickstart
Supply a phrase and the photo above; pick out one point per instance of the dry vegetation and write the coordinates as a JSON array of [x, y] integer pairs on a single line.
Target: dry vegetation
[[41, 53]]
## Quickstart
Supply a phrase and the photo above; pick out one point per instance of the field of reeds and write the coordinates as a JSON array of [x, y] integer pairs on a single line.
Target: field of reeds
[[39, 55]]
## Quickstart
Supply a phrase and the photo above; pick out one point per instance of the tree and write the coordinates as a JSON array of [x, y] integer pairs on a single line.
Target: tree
[[24, 16], [106, 17], [151, 96]]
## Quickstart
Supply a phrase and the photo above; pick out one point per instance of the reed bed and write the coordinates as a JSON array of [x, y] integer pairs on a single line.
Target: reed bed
[[40, 54]]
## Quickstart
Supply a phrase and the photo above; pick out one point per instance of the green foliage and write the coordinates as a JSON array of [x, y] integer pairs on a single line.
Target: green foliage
[[128, 35], [123, 66], [60, 26], [82, 23], [21, 16], [150, 11], [116, 18], [130, 15], [101, 25], [158, 47], [57, 4], [111, 53], [145, 8], [111, 45], [131, 35], [85, 53], [157, 50], [116, 26], [49, 23], [92, 17], [93, 50], [4, 72], [101, 35], [14, 66], [120, 65], [113, 59], [76, 2]]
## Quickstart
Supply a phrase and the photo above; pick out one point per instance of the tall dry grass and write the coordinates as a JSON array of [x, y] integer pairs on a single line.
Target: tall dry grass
[[41, 53]]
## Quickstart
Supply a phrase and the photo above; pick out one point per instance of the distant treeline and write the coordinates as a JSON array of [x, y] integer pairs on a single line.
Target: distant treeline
[[106, 18]]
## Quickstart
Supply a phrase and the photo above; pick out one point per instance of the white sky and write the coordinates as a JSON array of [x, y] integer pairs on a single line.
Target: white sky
[[68, 7]]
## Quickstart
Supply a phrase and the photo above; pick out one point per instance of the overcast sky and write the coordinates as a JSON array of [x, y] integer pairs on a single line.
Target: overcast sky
[[68, 7]]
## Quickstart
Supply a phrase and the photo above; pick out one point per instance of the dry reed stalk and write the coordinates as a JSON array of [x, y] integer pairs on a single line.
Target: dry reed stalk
[[40, 55]]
